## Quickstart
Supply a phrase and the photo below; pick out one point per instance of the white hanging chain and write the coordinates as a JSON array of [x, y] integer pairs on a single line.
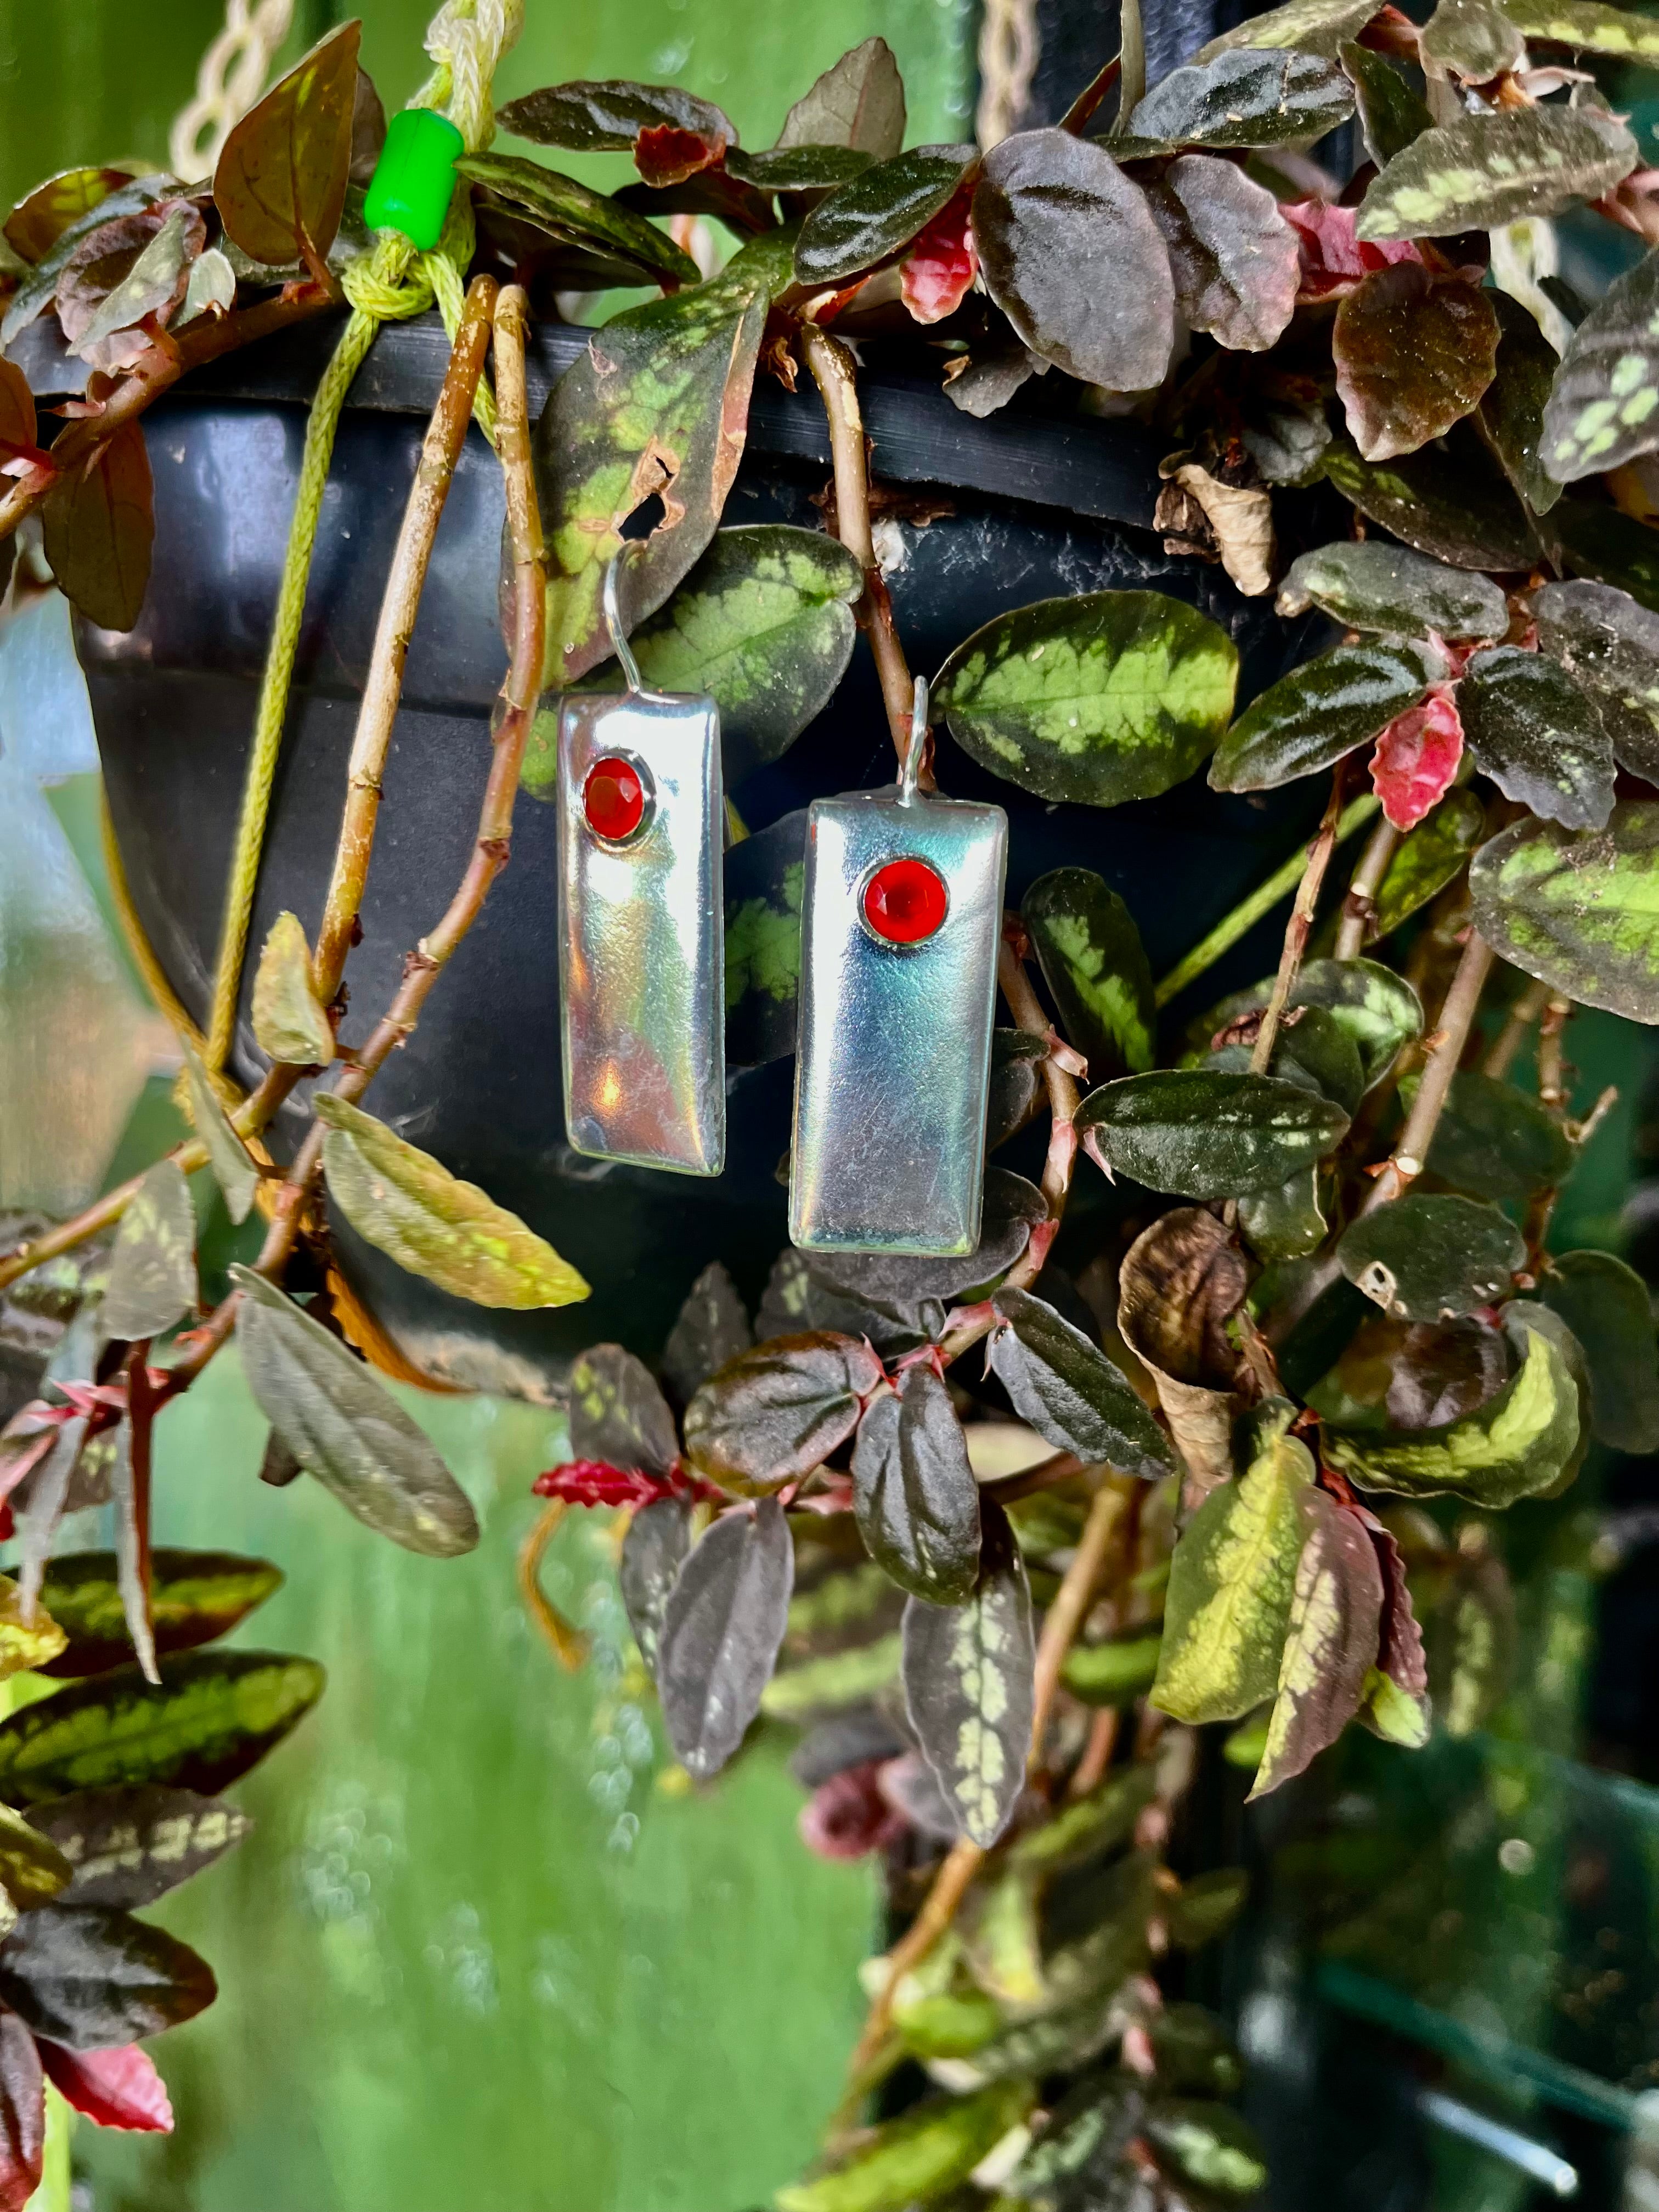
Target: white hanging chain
[[231, 78]]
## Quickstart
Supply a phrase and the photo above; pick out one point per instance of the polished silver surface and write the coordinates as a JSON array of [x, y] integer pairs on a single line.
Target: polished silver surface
[[894, 1057], [642, 948]]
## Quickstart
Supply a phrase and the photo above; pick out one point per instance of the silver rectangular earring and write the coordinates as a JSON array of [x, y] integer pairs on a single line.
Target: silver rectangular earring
[[641, 944], [902, 919]]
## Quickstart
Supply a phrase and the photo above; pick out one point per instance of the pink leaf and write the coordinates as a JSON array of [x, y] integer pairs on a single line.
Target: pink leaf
[[22, 2114], [115, 2089], [936, 273], [1333, 259], [846, 1816], [1417, 756]]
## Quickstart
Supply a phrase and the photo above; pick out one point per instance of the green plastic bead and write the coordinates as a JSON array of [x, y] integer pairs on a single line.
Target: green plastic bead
[[415, 176]]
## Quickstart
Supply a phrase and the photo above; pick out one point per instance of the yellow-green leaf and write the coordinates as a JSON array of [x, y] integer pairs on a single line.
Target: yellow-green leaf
[[1331, 1640], [1589, 25], [447, 1231], [916, 2159], [27, 1640], [288, 1019]]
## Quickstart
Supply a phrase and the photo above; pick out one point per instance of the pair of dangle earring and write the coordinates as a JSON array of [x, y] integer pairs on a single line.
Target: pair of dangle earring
[[902, 917]]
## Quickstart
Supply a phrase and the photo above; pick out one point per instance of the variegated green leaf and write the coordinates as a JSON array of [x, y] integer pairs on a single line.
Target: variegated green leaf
[[1452, 500], [152, 1270], [1232, 1582], [1207, 1134], [914, 2160], [288, 1019], [969, 1684], [1537, 736], [1378, 1009], [1322, 711], [1604, 409], [1512, 407], [1107, 696], [1427, 858], [1519, 1444], [1432, 1257], [1485, 170], [1589, 25], [1390, 113], [1475, 39], [1316, 27], [1369, 584], [1577, 909], [447, 1231], [1608, 643], [1096, 967]]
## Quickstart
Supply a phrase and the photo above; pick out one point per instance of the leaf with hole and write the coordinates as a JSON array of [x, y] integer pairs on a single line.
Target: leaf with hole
[[1232, 1583], [1095, 968], [859, 101], [1576, 907], [720, 1634], [1432, 1258], [288, 1019], [1235, 260], [1538, 737], [1068, 1390], [195, 1597], [1426, 860], [1207, 1135], [1608, 643], [1243, 96], [409, 1205], [1512, 407], [1413, 354], [216, 1715], [1482, 171], [874, 217], [1390, 113], [233, 1169], [1519, 1444], [913, 1491], [652, 1553], [1314, 26], [1609, 1309], [1099, 699], [618, 1414], [99, 526], [969, 1684], [127, 1846], [1069, 251], [657, 405], [1452, 502], [575, 214], [280, 181], [152, 1271], [1321, 712], [345, 1428], [772, 1414]]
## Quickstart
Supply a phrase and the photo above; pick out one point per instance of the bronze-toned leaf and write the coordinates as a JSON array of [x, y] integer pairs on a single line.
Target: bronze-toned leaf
[[1331, 1641], [195, 1597], [1070, 253], [1235, 260], [593, 118], [1181, 1283], [712, 1327], [913, 1491], [288, 1019], [1067, 1390], [280, 181], [720, 1634], [22, 2114], [41, 218], [652, 1553], [99, 522], [618, 1414], [1413, 354], [772, 1414], [90, 1977], [859, 101]]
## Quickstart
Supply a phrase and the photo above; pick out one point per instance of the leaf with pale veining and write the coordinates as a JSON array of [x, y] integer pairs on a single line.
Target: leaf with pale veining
[[90, 1977], [1482, 171], [1369, 584], [1096, 967], [152, 1269], [1608, 643], [1604, 408], [195, 1597], [127, 1846], [618, 1414], [772, 1414], [1426, 859], [1589, 25], [1474, 39], [652, 1553], [721, 1630], [1321, 712], [874, 217], [280, 181], [1538, 736], [1331, 1640]]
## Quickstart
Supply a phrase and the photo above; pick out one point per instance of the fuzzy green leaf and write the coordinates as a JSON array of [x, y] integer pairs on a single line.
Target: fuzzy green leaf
[[152, 1269], [1608, 643], [1369, 584], [1109, 696], [1209, 2145], [969, 1684], [1096, 967], [1203, 1134], [1429, 1258], [1232, 1582], [1482, 171], [1319, 712], [914, 2160], [288, 1019], [1427, 858], [1378, 1009], [913, 1491], [1113, 1673], [1576, 908], [214, 1715], [345, 1428], [1452, 502], [1609, 1309], [33, 1869], [449, 1232], [1519, 1442], [1538, 736], [1243, 96], [1494, 1141], [876, 215]]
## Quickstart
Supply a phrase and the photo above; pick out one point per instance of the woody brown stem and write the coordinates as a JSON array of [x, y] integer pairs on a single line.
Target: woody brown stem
[[833, 372], [1303, 908], [1552, 1089], [1513, 1034], [1447, 1050], [515, 711], [1359, 906], [440, 452]]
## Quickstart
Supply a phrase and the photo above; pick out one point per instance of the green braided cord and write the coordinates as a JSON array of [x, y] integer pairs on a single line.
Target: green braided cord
[[379, 288]]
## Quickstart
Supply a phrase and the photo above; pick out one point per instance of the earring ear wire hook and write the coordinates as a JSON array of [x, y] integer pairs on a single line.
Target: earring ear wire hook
[[612, 612], [915, 746]]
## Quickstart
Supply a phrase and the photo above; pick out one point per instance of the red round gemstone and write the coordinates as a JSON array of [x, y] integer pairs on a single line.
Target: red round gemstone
[[613, 798], [905, 902]]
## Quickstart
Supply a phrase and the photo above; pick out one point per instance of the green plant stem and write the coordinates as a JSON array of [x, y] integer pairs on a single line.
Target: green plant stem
[[492, 846], [1248, 911], [1302, 910], [440, 452], [1359, 907]]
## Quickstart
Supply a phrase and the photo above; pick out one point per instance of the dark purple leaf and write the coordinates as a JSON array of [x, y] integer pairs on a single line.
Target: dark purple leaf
[[1538, 737], [652, 1551], [720, 1634], [913, 1491], [772, 1414], [876, 215], [22, 2114], [1070, 1392], [618, 1414], [1234, 258]]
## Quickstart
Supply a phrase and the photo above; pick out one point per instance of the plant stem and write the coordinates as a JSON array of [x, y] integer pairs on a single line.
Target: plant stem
[[440, 452], [833, 372], [569, 1646], [1248, 911], [154, 372], [1359, 907], [1456, 1016], [515, 710], [1302, 910], [1552, 1089], [1511, 1038]]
